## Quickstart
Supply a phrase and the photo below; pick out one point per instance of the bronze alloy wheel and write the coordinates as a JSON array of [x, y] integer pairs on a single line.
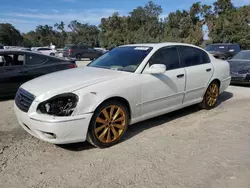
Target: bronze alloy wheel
[[212, 95], [108, 124]]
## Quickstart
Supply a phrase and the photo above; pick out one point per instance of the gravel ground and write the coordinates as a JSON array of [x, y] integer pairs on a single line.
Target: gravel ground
[[190, 148]]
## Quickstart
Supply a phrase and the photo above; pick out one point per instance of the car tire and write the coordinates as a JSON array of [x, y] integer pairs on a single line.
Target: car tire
[[211, 96], [52, 54], [108, 124], [78, 57]]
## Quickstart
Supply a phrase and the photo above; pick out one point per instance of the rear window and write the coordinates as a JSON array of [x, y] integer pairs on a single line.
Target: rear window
[[217, 48]]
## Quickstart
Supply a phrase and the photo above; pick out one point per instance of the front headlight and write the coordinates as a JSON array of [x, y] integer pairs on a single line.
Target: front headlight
[[60, 105]]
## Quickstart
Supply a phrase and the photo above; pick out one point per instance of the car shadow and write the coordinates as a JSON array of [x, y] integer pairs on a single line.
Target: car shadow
[[144, 125], [148, 124], [7, 98], [241, 85]]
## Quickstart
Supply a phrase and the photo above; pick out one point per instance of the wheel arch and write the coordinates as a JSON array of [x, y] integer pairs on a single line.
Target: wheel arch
[[120, 99], [211, 81]]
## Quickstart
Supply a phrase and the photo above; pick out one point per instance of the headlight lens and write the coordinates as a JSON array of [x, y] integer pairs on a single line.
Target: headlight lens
[[60, 105]]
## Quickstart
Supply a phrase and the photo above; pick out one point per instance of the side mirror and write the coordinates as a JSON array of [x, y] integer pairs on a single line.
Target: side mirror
[[156, 69]]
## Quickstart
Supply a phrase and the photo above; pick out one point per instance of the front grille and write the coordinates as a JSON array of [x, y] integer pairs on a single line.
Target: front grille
[[24, 99]]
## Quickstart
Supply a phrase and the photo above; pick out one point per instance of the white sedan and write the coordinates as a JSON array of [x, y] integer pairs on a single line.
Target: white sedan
[[46, 51], [128, 84]]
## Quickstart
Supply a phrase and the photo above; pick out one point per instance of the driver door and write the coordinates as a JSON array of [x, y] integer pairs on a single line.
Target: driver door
[[162, 93], [10, 70]]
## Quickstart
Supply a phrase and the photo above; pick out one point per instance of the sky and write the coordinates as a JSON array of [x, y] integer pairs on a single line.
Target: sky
[[25, 15]]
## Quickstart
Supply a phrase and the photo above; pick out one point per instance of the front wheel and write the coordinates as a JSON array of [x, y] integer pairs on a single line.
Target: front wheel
[[108, 124], [211, 96]]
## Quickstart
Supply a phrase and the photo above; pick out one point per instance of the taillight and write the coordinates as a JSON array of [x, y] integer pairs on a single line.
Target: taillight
[[70, 50], [72, 65]]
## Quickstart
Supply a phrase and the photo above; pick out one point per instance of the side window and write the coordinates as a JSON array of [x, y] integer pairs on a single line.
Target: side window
[[167, 56], [193, 56], [1, 61], [32, 59], [205, 58], [11, 59]]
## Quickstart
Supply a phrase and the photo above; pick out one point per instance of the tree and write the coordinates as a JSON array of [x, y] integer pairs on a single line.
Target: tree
[[232, 26], [9, 35], [222, 6], [83, 33]]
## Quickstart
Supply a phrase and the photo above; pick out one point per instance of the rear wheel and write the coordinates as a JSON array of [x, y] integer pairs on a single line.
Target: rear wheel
[[211, 96], [52, 54], [108, 124], [78, 57]]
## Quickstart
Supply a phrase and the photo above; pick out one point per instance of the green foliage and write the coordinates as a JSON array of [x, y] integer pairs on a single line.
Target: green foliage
[[9, 35], [225, 23]]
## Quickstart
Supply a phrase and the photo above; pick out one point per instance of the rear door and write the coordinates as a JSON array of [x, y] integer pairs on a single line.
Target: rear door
[[45, 51], [83, 50], [11, 67], [198, 69]]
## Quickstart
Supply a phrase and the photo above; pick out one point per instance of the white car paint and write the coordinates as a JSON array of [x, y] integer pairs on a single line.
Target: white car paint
[[45, 51], [148, 95]]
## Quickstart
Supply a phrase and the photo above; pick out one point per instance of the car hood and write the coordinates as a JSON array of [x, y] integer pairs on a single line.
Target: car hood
[[239, 65], [69, 81]]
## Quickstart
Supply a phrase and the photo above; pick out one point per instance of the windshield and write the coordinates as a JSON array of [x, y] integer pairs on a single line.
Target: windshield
[[242, 55], [66, 48], [217, 48], [122, 58]]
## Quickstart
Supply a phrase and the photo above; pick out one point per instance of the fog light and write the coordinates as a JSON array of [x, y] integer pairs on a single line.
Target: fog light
[[49, 135]]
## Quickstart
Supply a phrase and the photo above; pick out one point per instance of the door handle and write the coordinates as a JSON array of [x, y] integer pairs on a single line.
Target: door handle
[[208, 70], [180, 76]]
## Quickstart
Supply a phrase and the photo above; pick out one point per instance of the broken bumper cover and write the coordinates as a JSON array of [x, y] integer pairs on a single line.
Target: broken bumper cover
[[57, 130]]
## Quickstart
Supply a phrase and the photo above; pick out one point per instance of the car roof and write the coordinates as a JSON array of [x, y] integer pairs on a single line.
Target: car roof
[[17, 50], [160, 45], [28, 52], [225, 44]]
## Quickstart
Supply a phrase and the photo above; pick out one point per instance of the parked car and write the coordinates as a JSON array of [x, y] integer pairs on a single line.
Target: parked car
[[240, 68], [81, 51], [17, 67], [46, 51], [102, 50], [27, 49], [126, 85], [223, 51]]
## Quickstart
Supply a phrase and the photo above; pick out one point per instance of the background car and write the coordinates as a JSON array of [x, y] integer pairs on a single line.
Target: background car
[[81, 51], [1, 47], [45, 51], [224, 50], [124, 86], [240, 68], [17, 67], [103, 50]]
